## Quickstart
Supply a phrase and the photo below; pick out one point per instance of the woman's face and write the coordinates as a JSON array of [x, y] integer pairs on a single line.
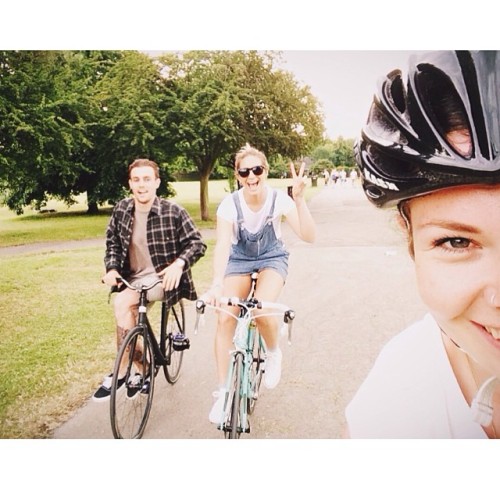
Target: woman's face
[[253, 183], [456, 238]]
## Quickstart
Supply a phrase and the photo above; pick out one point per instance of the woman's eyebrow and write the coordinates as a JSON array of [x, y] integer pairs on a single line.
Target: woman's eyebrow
[[451, 225]]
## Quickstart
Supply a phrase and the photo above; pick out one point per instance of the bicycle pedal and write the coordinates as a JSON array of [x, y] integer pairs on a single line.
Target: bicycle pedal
[[146, 387], [181, 344]]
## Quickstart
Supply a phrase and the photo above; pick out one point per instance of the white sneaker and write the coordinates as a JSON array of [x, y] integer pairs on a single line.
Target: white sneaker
[[216, 413], [272, 374]]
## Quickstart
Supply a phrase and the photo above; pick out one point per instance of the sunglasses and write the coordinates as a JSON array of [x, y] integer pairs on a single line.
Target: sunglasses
[[245, 172]]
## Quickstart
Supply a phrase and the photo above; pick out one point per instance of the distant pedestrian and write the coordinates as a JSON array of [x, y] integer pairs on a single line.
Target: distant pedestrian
[[334, 176], [326, 177], [353, 176]]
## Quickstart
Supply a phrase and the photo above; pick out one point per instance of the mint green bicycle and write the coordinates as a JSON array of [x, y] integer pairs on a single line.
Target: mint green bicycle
[[247, 364]]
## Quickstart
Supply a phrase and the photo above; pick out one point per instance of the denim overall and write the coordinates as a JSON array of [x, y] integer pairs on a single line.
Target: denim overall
[[257, 251]]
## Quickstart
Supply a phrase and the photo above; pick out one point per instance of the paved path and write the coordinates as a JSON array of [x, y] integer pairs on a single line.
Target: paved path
[[352, 290]]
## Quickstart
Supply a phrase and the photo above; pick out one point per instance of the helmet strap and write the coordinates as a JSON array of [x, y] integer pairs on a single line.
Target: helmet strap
[[482, 404]]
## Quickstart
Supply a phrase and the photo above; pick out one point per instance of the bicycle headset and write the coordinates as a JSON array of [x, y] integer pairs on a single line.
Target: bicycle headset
[[403, 150]]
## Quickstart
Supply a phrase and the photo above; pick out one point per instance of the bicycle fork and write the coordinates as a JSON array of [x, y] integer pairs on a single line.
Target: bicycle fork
[[244, 342]]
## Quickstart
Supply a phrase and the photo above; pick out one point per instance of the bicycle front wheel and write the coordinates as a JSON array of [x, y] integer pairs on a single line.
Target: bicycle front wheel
[[175, 327], [131, 400], [232, 424], [256, 371]]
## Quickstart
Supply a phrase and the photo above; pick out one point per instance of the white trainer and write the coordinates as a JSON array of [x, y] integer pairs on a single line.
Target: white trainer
[[272, 374], [215, 416]]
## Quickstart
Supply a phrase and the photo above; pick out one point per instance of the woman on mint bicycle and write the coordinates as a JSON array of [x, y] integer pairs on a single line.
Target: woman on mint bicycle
[[248, 240]]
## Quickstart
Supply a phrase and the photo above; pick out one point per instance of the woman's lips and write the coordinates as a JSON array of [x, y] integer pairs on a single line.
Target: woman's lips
[[492, 334]]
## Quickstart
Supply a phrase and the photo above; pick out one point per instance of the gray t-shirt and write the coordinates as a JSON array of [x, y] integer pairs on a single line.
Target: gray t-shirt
[[140, 259]]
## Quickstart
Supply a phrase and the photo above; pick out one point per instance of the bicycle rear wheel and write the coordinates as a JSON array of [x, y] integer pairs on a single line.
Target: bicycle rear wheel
[[130, 404], [232, 424], [175, 326]]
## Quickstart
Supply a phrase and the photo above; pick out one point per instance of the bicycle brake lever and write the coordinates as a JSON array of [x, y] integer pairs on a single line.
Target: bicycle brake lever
[[200, 309], [288, 319]]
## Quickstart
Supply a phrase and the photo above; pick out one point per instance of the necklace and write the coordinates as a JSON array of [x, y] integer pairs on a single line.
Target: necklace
[[492, 426]]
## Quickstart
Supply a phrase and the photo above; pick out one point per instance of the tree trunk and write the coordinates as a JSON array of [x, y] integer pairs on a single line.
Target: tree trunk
[[93, 208], [205, 215]]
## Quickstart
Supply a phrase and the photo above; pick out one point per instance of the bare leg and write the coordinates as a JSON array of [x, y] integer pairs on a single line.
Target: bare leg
[[269, 286], [125, 307]]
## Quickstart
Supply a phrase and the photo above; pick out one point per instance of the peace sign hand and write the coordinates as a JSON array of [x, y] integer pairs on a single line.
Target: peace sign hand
[[299, 181]]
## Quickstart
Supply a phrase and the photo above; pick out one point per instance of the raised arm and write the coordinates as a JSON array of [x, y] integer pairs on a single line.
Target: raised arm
[[301, 219]]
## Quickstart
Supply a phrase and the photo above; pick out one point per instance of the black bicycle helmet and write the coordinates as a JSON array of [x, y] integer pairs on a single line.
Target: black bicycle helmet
[[403, 150]]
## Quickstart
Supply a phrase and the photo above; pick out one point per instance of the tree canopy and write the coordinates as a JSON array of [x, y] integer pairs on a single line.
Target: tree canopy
[[43, 119], [71, 121], [338, 152], [220, 100]]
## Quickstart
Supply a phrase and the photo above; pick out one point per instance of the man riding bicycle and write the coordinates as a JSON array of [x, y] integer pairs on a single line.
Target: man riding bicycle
[[146, 238]]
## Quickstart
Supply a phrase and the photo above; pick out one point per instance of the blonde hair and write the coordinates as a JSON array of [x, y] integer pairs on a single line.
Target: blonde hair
[[248, 150]]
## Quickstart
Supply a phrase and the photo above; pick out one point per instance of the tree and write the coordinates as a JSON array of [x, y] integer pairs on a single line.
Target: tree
[[339, 152], [42, 125], [318, 167], [128, 117], [71, 122], [219, 100]]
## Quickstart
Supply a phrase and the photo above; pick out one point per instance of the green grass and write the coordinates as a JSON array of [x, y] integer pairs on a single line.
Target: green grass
[[57, 329], [73, 223], [57, 337], [65, 224]]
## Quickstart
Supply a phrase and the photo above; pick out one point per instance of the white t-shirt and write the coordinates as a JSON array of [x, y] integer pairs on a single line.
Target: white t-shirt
[[253, 221], [412, 392]]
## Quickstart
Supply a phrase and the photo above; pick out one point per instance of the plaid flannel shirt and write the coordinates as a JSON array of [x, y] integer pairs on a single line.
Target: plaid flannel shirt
[[171, 234]]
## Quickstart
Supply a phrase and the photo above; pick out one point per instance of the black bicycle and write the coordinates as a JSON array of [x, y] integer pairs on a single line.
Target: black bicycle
[[138, 362]]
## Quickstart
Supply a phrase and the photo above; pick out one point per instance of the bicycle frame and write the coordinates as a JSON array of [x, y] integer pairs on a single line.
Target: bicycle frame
[[143, 321], [244, 342]]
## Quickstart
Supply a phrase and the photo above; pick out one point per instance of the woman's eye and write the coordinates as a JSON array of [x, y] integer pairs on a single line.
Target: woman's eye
[[453, 243], [459, 242]]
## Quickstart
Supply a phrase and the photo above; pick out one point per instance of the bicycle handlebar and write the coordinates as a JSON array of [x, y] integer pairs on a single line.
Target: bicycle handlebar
[[139, 288], [248, 306]]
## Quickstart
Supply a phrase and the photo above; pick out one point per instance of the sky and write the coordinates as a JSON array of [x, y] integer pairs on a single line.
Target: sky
[[339, 53], [344, 82]]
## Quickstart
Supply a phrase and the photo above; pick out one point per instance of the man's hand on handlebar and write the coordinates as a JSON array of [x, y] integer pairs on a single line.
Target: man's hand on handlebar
[[110, 278]]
